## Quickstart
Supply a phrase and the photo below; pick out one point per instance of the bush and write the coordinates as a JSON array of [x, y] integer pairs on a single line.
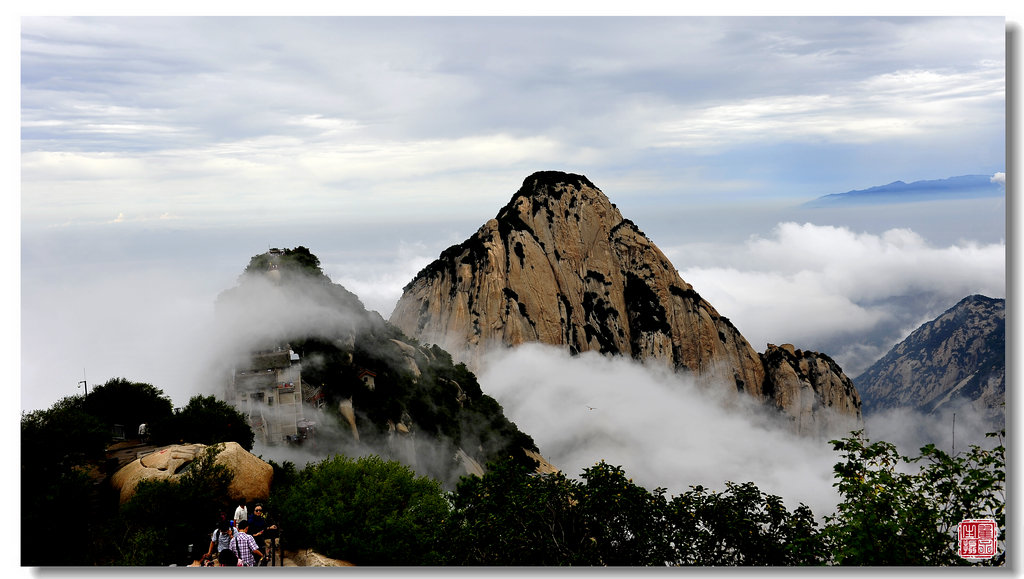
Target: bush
[[366, 510]]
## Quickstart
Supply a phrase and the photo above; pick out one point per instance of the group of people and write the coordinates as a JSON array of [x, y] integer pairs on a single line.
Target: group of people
[[238, 541]]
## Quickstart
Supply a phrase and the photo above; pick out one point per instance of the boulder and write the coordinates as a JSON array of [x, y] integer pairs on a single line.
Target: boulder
[[251, 475]]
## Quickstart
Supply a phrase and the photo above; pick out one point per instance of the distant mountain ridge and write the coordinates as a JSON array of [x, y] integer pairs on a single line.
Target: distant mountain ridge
[[961, 187], [959, 356], [560, 265]]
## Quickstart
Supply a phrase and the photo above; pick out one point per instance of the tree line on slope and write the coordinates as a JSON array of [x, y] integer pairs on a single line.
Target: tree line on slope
[[894, 509]]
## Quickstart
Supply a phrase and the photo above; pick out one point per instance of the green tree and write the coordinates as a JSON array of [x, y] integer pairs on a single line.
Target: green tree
[[302, 260], [205, 420], [742, 526], [62, 436], [898, 510], [299, 260], [967, 485], [512, 516], [121, 401], [627, 522], [57, 444], [366, 510]]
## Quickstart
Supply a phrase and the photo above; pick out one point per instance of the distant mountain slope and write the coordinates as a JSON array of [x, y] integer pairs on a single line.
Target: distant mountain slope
[[560, 265], [961, 355], [962, 187]]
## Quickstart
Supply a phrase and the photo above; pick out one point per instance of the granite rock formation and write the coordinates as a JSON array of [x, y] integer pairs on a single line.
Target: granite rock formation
[[251, 476], [799, 383], [560, 265]]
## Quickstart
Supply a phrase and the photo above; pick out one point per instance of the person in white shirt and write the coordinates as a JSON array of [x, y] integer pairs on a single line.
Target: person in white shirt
[[241, 513]]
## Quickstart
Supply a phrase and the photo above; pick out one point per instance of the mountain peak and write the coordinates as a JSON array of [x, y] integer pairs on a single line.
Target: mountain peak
[[544, 191], [560, 265], [542, 180], [959, 356]]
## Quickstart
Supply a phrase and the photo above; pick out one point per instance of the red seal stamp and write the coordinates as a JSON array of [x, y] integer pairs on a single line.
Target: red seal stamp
[[977, 538]]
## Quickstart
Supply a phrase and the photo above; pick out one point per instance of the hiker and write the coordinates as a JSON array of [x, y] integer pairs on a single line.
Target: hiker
[[241, 513], [244, 546], [220, 541], [259, 527]]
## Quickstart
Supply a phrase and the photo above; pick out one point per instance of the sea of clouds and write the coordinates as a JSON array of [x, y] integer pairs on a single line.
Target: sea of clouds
[[666, 432]]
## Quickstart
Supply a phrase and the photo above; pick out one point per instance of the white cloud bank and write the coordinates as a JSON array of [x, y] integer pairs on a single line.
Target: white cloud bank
[[659, 427], [852, 295], [666, 432]]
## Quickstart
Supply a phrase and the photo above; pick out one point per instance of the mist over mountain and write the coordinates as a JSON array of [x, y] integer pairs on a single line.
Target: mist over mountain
[[290, 336], [961, 187], [560, 265], [955, 362]]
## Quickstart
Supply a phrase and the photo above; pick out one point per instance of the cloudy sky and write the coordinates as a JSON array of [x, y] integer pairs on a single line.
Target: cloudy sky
[[159, 154]]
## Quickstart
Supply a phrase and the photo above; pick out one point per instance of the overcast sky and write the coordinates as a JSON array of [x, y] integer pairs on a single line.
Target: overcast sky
[[159, 154]]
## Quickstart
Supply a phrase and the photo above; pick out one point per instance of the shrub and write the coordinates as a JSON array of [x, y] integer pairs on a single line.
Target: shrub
[[366, 510]]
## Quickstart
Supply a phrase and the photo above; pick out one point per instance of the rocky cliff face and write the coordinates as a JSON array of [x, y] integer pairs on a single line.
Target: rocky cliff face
[[560, 265], [959, 356]]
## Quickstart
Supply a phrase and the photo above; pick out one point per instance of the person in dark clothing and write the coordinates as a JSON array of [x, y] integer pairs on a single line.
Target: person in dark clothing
[[260, 529], [227, 559]]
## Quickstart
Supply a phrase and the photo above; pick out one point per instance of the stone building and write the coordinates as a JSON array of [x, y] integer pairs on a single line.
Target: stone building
[[268, 391]]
